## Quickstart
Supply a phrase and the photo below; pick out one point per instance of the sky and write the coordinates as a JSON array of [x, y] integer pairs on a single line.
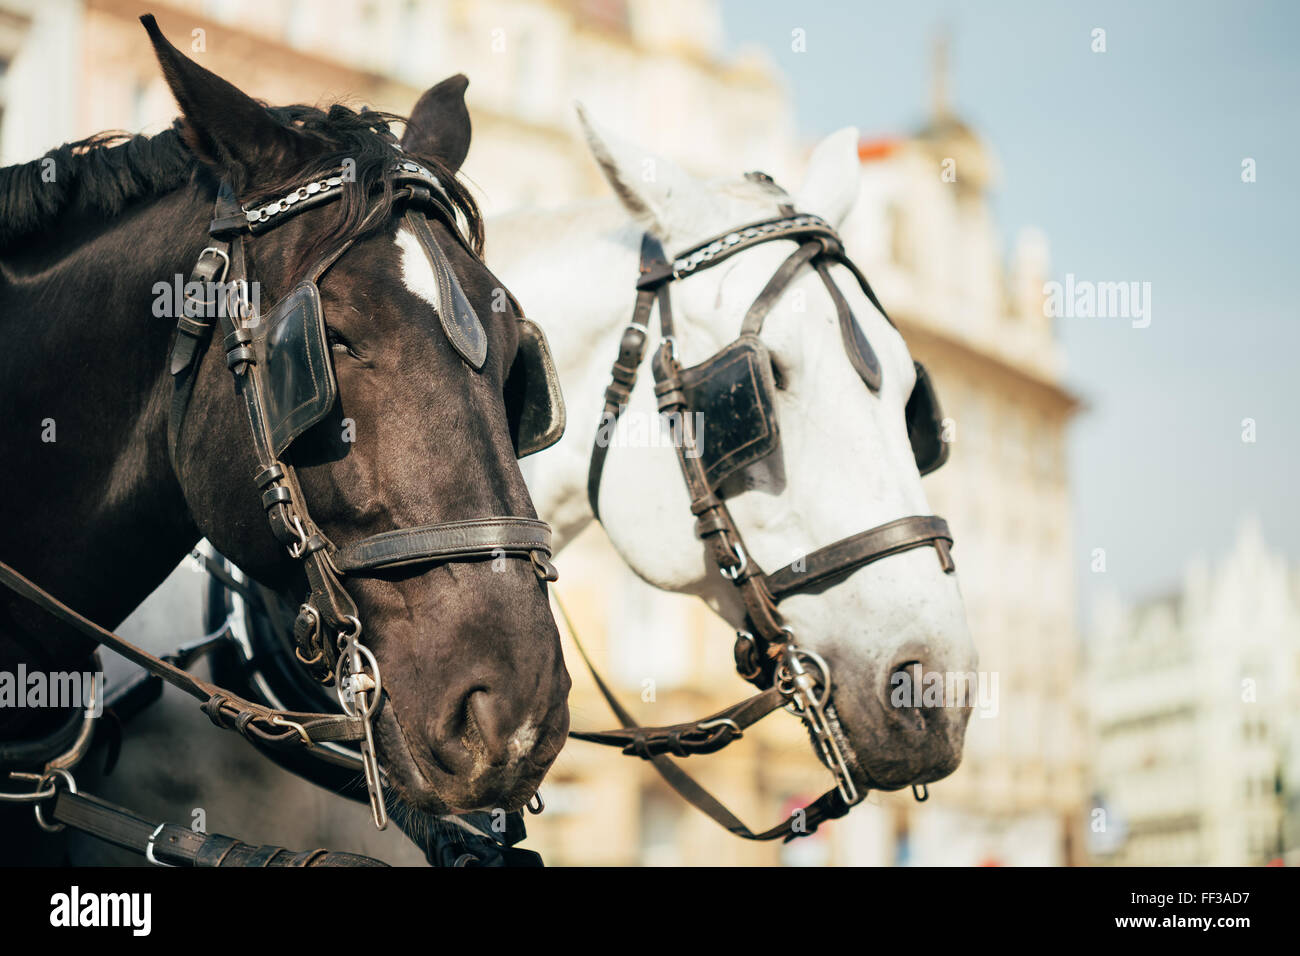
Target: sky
[[1130, 161]]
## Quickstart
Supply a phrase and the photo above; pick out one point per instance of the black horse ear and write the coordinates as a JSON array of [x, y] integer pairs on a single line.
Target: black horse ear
[[439, 124], [224, 127]]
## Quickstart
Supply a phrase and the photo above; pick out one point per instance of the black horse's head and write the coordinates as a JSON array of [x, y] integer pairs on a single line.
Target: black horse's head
[[474, 684]]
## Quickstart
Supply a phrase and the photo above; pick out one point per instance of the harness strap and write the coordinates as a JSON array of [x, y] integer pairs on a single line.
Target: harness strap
[[24, 754], [775, 287], [704, 736], [862, 549], [226, 710], [828, 806], [475, 537], [655, 272], [169, 844], [714, 525]]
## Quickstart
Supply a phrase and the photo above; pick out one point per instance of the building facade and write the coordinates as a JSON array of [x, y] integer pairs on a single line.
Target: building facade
[[1196, 716], [70, 69]]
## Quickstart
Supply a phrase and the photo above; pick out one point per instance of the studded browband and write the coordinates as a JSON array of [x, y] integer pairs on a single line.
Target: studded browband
[[766, 655]]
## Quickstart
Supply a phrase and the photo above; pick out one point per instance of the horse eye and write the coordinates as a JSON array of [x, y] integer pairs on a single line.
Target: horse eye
[[337, 340], [778, 375]]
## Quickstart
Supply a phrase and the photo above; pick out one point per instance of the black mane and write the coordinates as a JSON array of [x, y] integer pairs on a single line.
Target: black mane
[[106, 173]]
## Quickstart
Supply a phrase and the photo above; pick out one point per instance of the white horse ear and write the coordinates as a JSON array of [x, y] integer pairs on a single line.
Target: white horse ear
[[655, 191], [830, 186]]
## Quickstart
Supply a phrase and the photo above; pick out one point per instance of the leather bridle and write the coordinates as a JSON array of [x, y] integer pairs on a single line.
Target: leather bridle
[[766, 652], [328, 626]]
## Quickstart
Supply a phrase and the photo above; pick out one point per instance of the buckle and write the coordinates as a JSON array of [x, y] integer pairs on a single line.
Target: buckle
[[225, 261], [742, 562]]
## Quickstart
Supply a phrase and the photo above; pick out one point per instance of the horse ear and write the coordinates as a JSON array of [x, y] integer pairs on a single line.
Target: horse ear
[[223, 126], [439, 124], [660, 195], [830, 186]]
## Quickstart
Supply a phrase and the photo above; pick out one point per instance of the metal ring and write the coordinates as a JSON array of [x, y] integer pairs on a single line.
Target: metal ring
[[243, 305], [299, 547], [536, 798], [917, 793], [148, 850], [707, 725], [731, 574], [373, 704], [35, 796], [72, 788], [225, 268], [671, 342], [785, 679], [821, 666], [280, 720]]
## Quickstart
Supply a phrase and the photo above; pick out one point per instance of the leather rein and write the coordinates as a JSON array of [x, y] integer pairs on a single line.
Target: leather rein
[[766, 654], [328, 626]]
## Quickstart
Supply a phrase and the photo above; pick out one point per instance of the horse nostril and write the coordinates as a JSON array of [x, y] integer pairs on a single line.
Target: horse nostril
[[484, 733], [905, 693]]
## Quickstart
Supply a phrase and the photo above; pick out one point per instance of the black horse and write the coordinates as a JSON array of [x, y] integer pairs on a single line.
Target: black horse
[[98, 506]]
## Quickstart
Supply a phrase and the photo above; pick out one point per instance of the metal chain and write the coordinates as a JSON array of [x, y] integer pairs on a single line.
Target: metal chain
[[809, 704], [691, 261], [270, 210]]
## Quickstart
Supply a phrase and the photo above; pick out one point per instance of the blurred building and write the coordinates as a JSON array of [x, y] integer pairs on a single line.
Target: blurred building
[[924, 233], [654, 71], [70, 69], [1196, 716]]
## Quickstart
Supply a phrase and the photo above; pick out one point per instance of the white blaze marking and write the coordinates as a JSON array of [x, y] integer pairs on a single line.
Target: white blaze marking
[[417, 273]]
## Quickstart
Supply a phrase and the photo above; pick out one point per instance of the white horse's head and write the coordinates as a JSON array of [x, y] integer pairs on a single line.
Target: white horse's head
[[844, 464]]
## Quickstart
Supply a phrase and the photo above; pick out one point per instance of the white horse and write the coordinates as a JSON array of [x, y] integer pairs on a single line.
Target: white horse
[[847, 465]]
